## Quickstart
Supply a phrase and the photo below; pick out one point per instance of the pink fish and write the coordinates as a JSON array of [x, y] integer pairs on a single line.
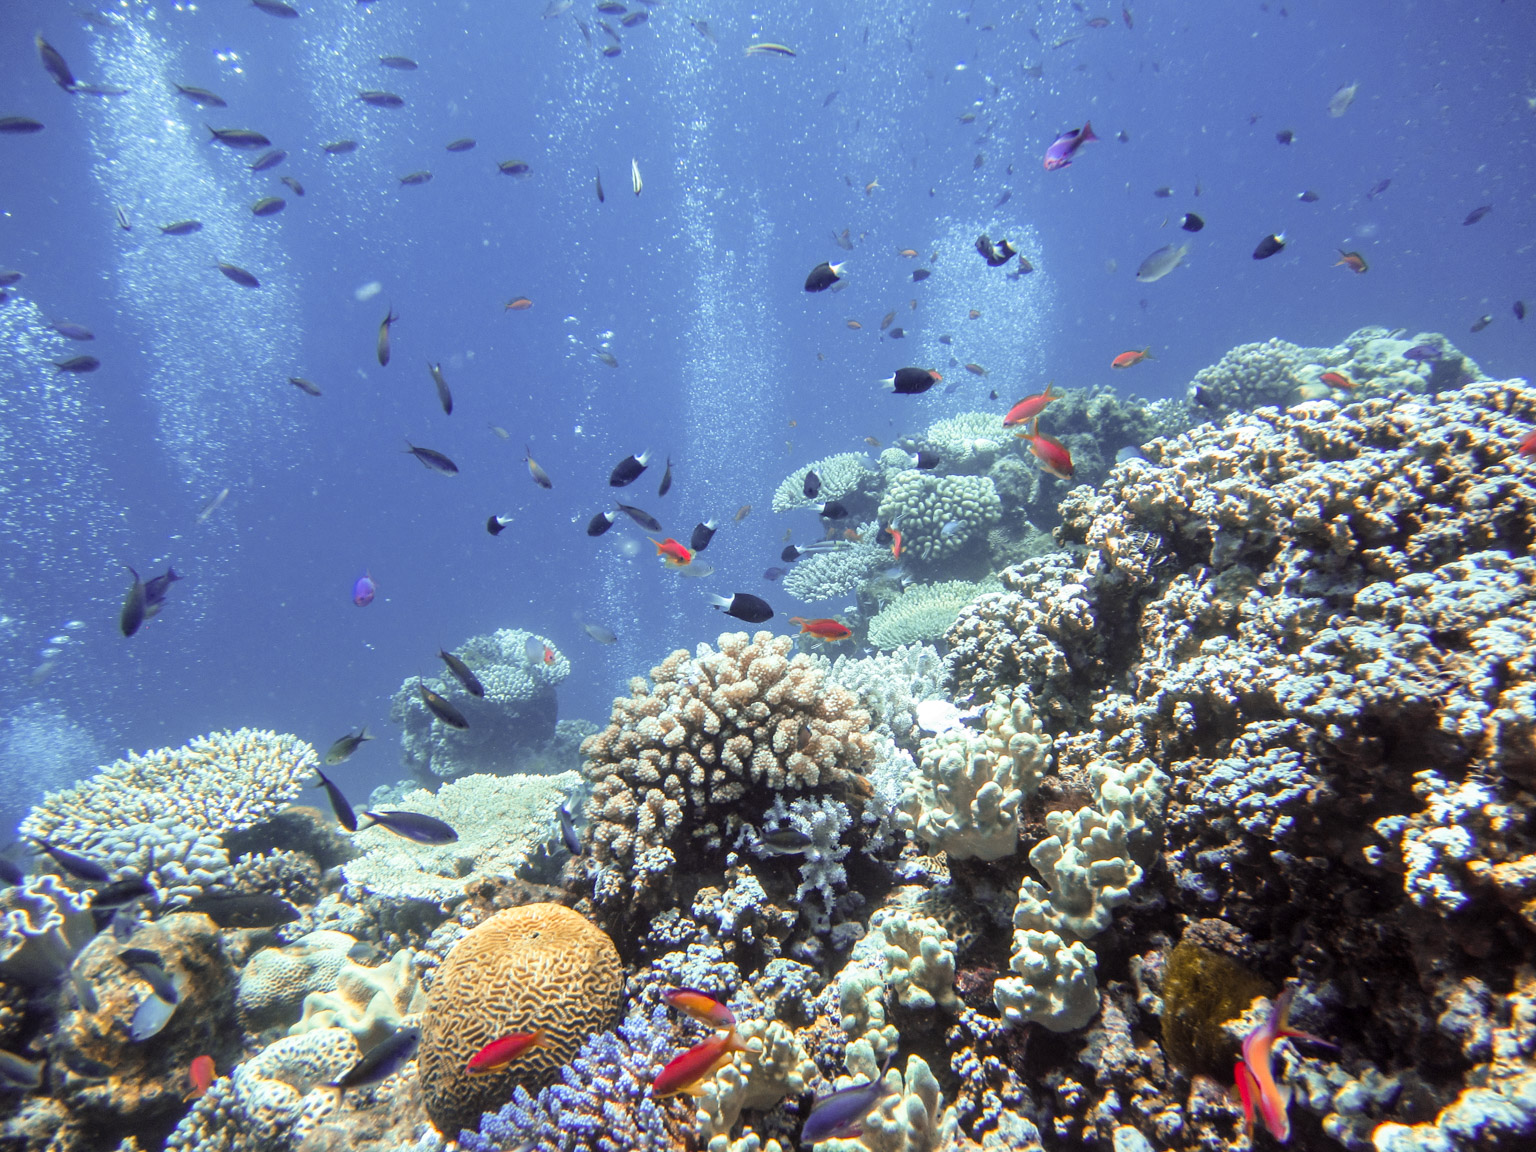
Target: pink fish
[[1255, 1072], [364, 591], [1065, 146]]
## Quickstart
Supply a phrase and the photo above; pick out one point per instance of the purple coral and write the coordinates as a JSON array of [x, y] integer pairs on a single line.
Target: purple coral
[[603, 1102]]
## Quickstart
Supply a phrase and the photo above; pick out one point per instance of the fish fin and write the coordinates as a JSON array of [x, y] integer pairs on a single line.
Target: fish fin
[[1087, 133]]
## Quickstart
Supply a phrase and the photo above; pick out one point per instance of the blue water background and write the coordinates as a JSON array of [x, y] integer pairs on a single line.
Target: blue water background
[[695, 287]]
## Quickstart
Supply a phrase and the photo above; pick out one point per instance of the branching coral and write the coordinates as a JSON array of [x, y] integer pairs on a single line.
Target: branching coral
[[839, 476], [923, 612]]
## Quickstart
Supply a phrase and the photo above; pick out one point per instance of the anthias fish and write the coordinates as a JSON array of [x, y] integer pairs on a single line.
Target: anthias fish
[[502, 1051], [744, 606], [1134, 356], [824, 628], [414, 826], [684, 1074], [1051, 452], [672, 553], [1030, 407], [1065, 146], [700, 1006], [1353, 261], [1255, 1071]]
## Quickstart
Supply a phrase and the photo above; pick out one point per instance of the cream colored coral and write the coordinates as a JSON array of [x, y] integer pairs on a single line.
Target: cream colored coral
[[917, 958], [276, 980], [776, 1065], [367, 1002], [909, 1116]]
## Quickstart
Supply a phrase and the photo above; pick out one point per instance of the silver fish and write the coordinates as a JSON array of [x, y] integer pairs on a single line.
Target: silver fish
[[1161, 262]]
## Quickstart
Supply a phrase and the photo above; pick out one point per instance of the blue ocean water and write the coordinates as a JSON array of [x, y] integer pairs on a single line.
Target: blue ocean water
[[903, 123]]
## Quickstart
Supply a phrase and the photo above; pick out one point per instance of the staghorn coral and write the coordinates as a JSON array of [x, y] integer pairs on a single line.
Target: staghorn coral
[[840, 475], [162, 814], [939, 515], [923, 612], [502, 822], [964, 798], [510, 728], [539, 966], [710, 740]]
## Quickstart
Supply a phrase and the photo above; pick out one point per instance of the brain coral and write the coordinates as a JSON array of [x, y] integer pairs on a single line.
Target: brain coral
[[511, 723], [839, 476], [538, 966], [938, 515], [164, 812]]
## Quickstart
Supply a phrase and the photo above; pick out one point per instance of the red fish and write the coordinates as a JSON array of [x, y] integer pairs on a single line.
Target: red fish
[[499, 1053], [1030, 407], [1336, 380], [1051, 452], [684, 1074], [1528, 445], [895, 541], [824, 628], [703, 1008], [549, 655], [672, 554], [202, 1073], [1126, 359], [1255, 1073], [1065, 146]]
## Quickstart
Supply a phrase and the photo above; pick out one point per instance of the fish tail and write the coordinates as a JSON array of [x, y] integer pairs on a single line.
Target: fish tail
[[1087, 132]]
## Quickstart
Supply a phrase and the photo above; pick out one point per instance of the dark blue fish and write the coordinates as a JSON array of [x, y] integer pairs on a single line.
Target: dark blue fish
[[415, 826], [840, 1115], [122, 893], [262, 910], [1424, 353], [155, 589], [773, 573], [10, 871], [339, 804], [77, 866], [462, 673], [150, 968], [568, 832], [1378, 188], [382, 1060], [641, 517]]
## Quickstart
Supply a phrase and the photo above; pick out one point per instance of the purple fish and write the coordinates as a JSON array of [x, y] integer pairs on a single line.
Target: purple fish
[[364, 591], [1065, 146], [1424, 353], [840, 1115]]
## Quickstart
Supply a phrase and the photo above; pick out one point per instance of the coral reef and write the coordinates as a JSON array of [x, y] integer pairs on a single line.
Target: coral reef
[[840, 475], [939, 515], [923, 612], [512, 724], [537, 967], [823, 575]]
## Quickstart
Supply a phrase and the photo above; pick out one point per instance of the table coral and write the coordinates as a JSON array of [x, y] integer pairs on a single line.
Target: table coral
[[162, 813], [512, 723], [923, 612], [541, 966]]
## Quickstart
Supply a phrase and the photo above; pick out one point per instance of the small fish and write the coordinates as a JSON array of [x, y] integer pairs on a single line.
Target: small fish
[[514, 167], [276, 8], [135, 606], [634, 176], [339, 803], [700, 1005], [268, 160], [540, 477], [742, 513], [568, 831], [1191, 222], [911, 381], [500, 431], [895, 534], [772, 573], [364, 590], [1308, 197], [78, 364], [381, 349], [181, 228], [308, 387], [1127, 359], [1378, 188], [54, 65], [376, 98], [1268, 246], [628, 470], [640, 517], [840, 1115], [235, 911], [1051, 452], [18, 1073], [381, 1061], [19, 125], [518, 304], [1477, 214], [833, 510], [239, 137], [268, 206], [462, 144], [496, 525], [537, 652], [433, 460], [635, 18], [417, 178], [499, 1053], [77, 866], [601, 199], [607, 357], [703, 533], [1339, 102], [666, 479], [1285, 136], [1255, 1070], [824, 628], [84, 993], [1030, 407], [151, 969], [975, 369], [399, 63], [600, 634], [440, 708], [339, 147], [200, 96], [444, 396], [924, 459], [764, 49], [122, 219], [213, 505], [201, 1074], [811, 485], [1353, 261], [1065, 146], [1518, 307], [897, 333], [415, 826], [1161, 262], [1481, 322], [150, 1018], [1337, 380], [1163, 192], [238, 274], [684, 1074], [600, 523], [920, 274], [1423, 353], [786, 841], [122, 893], [461, 673], [743, 606], [703, 29], [155, 589], [824, 275]]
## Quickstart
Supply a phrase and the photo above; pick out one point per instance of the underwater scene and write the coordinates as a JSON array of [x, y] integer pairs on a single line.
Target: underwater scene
[[874, 576]]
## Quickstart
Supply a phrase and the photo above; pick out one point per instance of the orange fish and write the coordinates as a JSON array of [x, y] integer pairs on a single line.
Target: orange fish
[[1528, 445], [1051, 452], [855, 325], [521, 304], [1029, 407], [909, 253], [974, 314], [1126, 359], [1336, 380], [672, 554], [853, 533], [549, 654], [202, 1073], [1255, 1073], [824, 628], [701, 1006], [684, 1074], [741, 513], [871, 441], [895, 541], [499, 1053], [1353, 261]]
